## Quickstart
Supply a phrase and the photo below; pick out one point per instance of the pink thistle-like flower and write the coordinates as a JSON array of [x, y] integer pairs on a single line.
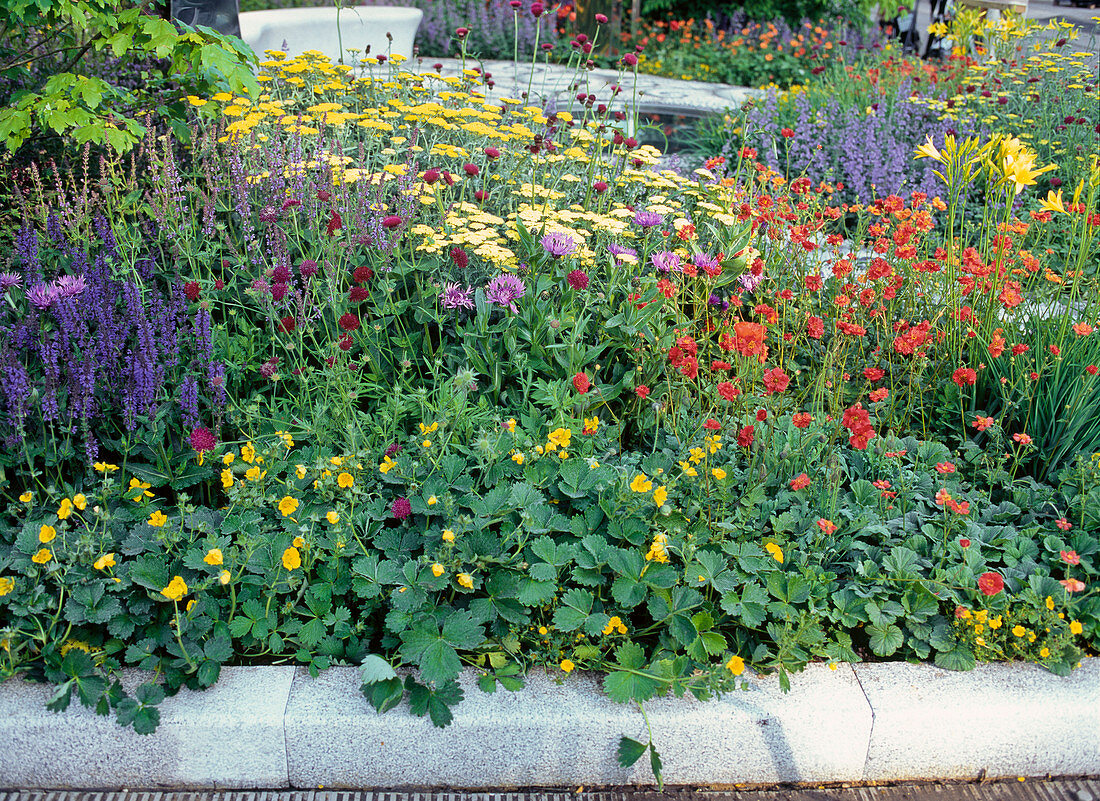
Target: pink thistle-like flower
[[202, 439], [400, 508], [578, 279]]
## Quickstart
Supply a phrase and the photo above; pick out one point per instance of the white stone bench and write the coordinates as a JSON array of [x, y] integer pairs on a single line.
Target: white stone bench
[[315, 29]]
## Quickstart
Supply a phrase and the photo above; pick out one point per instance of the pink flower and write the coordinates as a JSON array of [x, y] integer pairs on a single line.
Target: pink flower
[[202, 439], [1070, 557], [1063, 524], [578, 279], [1072, 585], [401, 508], [581, 383], [945, 467]]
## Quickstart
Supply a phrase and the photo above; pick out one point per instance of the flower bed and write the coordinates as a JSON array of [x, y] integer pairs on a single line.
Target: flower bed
[[379, 373]]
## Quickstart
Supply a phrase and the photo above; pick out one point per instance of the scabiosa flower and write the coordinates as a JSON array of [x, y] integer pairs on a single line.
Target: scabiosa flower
[[459, 257], [558, 244], [308, 268], [665, 261], [647, 219], [202, 439], [349, 322], [287, 324], [8, 280], [578, 279], [281, 274], [358, 293], [400, 508], [505, 290], [278, 292], [391, 221], [455, 297], [269, 214], [191, 289], [362, 274]]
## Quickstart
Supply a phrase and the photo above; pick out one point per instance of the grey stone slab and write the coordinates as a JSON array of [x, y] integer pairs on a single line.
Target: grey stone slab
[[230, 735], [1004, 719], [566, 733]]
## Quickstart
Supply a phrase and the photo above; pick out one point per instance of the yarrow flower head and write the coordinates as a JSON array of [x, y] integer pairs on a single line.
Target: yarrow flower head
[[505, 290], [455, 297], [558, 244]]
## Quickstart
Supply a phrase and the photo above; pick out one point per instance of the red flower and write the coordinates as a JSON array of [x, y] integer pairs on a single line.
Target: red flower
[[1063, 524], [802, 419], [982, 423], [712, 425], [431, 176], [945, 467], [800, 482], [775, 380], [746, 436], [344, 342], [358, 293], [471, 169], [401, 508], [349, 322], [873, 373], [761, 415], [1070, 557], [1072, 584], [786, 133], [191, 290], [1091, 369], [990, 583], [642, 392], [202, 439], [964, 543], [581, 383], [727, 391], [880, 394], [720, 365], [287, 324], [815, 327], [826, 526], [578, 279], [391, 221], [362, 274], [334, 223], [459, 257]]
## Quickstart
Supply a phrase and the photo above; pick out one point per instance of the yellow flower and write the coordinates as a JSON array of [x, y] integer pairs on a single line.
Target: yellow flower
[[995, 622], [46, 534], [300, 471], [345, 480], [641, 483], [1053, 202], [1075, 627], [227, 478], [104, 562], [428, 429], [142, 488], [228, 458], [736, 665], [567, 666], [387, 465], [613, 625], [437, 570], [26, 496], [660, 495], [42, 556], [1019, 630], [298, 542], [288, 505], [718, 473], [559, 438], [928, 150], [224, 577], [248, 453], [688, 469], [176, 589], [157, 519], [775, 551], [80, 501], [466, 580], [253, 474], [189, 605], [426, 443], [432, 501], [6, 585], [511, 425], [696, 455], [213, 557], [103, 467], [448, 535], [332, 517], [1044, 653], [517, 458], [1050, 603], [292, 559]]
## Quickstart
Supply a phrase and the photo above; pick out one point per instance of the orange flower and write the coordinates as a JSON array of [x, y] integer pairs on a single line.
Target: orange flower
[[827, 526]]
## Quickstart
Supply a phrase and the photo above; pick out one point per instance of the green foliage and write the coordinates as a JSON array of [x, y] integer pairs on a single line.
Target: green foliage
[[44, 47]]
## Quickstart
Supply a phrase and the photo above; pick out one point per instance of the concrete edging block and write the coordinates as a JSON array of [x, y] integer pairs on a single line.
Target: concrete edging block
[[1003, 719], [230, 735], [567, 733]]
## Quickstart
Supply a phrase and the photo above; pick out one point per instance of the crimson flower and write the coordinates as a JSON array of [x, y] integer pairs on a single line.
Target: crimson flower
[[335, 223], [349, 322], [202, 439], [401, 508], [746, 436], [581, 383]]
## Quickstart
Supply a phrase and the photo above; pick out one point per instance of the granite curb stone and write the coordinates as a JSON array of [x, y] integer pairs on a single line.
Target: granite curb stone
[[567, 732], [996, 720], [230, 735], [276, 727]]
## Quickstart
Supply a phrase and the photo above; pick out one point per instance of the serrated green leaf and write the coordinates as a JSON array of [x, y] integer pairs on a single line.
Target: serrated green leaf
[[630, 751]]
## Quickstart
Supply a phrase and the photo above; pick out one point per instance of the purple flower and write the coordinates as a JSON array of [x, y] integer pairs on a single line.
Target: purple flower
[[558, 244], [618, 251], [455, 297], [704, 261], [505, 290], [308, 268], [401, 508], [665, 261], [70, 285], [647, 219], [750, 282], [8, 280], [42, 295]]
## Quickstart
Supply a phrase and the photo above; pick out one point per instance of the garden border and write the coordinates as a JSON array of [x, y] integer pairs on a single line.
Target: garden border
[[276, 727]]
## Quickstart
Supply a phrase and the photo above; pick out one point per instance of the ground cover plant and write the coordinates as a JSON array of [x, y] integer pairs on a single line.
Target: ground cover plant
[[374, 371]]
